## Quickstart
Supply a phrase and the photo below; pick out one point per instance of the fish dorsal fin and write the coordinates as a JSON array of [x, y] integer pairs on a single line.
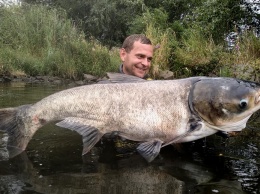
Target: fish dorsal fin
[[149, 150], [123, 78], [90, 134]]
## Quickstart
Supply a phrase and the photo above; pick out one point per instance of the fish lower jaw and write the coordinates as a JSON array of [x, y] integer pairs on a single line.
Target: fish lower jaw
[[192, 138], [231, 126], [228, 128], [204, 132]]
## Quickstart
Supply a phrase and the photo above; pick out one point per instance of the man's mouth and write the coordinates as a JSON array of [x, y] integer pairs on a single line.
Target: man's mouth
[[141, 69]]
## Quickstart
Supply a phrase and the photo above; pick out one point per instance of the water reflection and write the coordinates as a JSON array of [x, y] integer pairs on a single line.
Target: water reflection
[[131, 176], [235, 159], [53, 163]]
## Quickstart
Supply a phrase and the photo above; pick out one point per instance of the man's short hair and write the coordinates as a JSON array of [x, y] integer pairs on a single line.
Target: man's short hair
[[129, 41]]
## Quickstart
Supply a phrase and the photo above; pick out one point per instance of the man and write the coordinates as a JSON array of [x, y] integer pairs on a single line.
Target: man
[[136, 55]]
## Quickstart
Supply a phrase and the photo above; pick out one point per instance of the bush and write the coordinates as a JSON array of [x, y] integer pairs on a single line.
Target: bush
[[243, 60], [39, 40], [197, 53]]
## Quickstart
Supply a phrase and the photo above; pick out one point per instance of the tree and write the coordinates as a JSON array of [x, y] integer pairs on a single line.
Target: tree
[[109, 20], [105, 20], [176, 9], [220, 17]]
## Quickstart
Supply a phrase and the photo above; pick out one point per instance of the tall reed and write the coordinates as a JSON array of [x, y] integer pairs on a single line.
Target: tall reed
[[244, 59], [162, 40], [39, 40]]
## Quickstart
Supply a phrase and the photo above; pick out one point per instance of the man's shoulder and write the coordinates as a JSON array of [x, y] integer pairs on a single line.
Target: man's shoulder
[[120, 70]]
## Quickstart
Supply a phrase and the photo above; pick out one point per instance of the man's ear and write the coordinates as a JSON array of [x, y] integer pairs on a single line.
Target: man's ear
[[122, 54]]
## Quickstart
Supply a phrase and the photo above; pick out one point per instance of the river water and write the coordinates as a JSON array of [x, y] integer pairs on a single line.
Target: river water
[[52, 162]]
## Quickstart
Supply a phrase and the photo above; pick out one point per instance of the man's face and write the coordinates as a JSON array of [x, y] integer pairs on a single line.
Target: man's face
[[137, 62]]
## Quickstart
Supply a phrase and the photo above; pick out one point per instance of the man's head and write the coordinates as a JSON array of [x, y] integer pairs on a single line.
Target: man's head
[[136, 55]]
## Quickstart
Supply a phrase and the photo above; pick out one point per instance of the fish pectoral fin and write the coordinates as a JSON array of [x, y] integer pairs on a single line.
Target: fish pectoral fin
[[194, 126], [149, 150], [90, 135], [194, 123]]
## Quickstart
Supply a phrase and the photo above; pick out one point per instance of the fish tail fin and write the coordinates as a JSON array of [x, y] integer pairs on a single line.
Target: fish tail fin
[[13, 124]]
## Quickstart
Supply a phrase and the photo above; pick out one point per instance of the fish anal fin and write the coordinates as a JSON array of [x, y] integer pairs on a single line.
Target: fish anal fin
[[150, 150], [90, 135], [90, 138]]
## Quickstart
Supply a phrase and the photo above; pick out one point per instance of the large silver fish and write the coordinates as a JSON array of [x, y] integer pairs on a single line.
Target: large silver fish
[[155, 113]]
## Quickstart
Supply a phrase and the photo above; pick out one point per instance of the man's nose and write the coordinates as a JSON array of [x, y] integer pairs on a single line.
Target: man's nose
[[145, 62]]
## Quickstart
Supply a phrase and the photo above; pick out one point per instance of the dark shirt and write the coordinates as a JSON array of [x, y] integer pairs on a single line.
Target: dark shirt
[[121, 69]]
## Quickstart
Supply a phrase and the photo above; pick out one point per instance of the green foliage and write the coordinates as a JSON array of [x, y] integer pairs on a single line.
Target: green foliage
[[196, 53], [164, 40], [154, 23], [217, 18], [42, 40], [244, 60], [156, 17], [109, 21], [105, 20], [175, 9], [39, 41]]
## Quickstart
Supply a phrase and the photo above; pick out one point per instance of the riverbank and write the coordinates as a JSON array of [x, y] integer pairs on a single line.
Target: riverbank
[[87, 79]]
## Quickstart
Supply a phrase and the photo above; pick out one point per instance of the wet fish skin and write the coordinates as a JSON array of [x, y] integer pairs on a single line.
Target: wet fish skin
[[156, 113]]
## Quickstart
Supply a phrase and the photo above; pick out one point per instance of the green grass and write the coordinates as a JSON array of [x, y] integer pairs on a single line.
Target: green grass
[[197, 54], [38, 40], [244, 60]]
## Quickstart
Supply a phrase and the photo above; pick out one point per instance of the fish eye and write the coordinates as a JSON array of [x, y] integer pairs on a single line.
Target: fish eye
[[243, 104]]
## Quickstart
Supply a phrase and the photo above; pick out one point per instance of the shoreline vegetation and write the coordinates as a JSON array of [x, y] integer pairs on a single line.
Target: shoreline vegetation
[[41, 42]]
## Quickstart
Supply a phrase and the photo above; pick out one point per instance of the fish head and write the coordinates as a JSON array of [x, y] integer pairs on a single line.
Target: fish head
[[225, 103]]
